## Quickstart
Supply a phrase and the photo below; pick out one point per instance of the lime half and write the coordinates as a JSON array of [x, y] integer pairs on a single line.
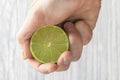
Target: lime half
[[48, 43]]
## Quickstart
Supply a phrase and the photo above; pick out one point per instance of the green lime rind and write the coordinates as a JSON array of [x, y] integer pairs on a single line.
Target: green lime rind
[[41, 37]]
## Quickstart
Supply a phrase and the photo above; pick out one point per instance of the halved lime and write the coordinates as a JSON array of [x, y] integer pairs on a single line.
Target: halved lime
[[48, 43]]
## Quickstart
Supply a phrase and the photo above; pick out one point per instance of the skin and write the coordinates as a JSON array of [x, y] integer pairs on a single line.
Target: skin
[[79, 18]]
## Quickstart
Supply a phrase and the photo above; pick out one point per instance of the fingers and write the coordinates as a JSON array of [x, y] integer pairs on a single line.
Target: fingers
[[76, 43], [76, 39], [64, 61], [62, 64], [84, 30], [43, 68]]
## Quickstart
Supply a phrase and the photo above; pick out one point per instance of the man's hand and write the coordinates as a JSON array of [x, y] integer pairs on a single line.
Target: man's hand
[[79, 18]]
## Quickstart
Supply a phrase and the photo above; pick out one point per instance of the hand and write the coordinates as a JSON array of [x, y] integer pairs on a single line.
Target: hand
[[81, 17]]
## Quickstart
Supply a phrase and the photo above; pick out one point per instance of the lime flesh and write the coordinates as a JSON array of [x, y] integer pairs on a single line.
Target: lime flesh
[[48, 43]]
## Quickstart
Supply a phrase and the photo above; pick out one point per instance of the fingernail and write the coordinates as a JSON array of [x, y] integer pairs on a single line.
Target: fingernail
[[69, 26], [24, 56]]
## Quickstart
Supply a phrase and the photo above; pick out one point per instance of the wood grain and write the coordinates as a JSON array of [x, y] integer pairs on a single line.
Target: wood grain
[[100, 59]]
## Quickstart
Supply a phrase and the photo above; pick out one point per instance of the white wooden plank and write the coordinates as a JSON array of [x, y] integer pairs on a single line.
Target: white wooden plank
[[100, 59]]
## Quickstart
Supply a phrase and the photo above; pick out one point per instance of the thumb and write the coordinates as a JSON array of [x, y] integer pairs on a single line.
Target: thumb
[[32, 22]]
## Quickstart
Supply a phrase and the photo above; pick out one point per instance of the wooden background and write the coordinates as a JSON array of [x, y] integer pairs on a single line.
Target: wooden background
[[100, 59]]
